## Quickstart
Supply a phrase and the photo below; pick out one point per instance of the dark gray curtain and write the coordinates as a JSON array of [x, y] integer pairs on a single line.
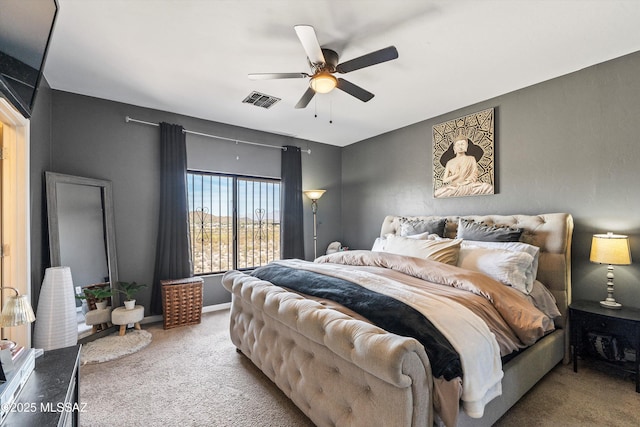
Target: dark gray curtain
[[291, 229], [173, 255]]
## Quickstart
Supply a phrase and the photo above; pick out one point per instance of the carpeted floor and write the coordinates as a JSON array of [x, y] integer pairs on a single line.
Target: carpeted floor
[[193, 376]]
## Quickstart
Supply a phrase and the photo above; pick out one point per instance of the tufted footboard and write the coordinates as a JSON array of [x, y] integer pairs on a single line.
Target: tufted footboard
[[339, 371]]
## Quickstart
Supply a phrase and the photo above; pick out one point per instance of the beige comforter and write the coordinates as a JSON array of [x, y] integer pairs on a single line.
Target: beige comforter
[[492, 319]]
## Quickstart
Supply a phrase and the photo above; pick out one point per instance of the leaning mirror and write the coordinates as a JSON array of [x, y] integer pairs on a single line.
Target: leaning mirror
[[82, 237]]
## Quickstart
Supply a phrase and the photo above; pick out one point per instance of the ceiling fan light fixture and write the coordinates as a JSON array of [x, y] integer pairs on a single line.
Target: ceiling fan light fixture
[[323, 82]]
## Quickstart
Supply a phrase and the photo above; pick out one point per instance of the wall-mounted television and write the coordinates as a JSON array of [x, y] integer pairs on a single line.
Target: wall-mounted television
[[25, 31]]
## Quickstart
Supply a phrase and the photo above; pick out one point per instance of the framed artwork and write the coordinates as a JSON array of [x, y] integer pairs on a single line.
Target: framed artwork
[[463, 156]]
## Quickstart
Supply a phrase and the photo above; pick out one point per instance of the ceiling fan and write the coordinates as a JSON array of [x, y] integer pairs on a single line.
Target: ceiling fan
[[324, 63]]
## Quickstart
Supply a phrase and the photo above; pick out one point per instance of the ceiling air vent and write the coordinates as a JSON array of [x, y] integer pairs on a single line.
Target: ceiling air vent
[[260, 100]]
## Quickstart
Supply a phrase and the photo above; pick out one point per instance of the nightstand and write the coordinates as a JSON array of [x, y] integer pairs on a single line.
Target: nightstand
[[589, 316]]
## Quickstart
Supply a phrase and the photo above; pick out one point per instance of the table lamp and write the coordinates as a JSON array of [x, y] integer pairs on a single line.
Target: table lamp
[[16, 311], [611, 249]]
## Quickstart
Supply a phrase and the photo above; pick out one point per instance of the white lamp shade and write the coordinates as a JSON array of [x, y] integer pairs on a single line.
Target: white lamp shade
[[56, 322], [314, 194], [323, 82], [610, 249]]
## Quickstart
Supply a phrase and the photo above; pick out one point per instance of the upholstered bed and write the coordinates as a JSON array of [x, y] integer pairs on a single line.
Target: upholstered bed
[[340, 369]]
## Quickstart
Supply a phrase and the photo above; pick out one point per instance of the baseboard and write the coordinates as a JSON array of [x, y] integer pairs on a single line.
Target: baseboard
[[152, 319], [216, 307], [207, 309]]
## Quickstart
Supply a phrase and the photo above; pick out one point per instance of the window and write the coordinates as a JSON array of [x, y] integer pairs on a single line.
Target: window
[[234, 221]]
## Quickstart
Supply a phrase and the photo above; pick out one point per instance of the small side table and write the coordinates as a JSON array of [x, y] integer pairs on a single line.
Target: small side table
[[122, 316], [591, 316], [98, 318]]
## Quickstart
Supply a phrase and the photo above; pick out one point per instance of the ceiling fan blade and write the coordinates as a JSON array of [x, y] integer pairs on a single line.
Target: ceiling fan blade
[[373, 58], [306, 98], [307, 36], [266, 76], [354, 90]]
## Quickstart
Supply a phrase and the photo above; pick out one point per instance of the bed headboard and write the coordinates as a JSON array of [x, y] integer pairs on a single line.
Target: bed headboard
[[552, 233]]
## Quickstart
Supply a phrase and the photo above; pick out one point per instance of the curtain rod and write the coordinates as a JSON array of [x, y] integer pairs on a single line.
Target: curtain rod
[[128, 119]]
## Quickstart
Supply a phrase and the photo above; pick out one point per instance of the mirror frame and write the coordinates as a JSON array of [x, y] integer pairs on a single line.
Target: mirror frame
[[52, 179]]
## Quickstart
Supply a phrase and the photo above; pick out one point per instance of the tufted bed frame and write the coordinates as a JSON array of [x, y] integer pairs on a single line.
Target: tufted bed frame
[[342, 371]]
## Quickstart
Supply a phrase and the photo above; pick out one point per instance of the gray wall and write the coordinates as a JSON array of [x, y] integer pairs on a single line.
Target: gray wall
[[569, 144], [89, 137], [566, 145]]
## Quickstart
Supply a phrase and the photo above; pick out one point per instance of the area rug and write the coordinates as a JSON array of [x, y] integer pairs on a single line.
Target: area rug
[[114, 346]]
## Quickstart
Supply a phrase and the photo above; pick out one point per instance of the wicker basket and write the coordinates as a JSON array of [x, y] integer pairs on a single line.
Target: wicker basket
[[182, 301]]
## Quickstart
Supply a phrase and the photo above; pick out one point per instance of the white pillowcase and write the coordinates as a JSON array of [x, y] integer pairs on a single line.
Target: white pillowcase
[[534, 251], [422, 236], [504, 266], [444, 250], [379, 243]]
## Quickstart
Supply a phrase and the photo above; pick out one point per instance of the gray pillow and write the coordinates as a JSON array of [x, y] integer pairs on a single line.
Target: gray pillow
[[471, 230], [411, 226]]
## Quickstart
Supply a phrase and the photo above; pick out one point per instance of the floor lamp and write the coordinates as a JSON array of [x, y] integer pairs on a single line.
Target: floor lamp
[[314, 195]]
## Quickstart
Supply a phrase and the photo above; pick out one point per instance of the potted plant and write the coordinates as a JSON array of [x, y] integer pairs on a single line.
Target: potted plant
[[98, 295], [130, 289]]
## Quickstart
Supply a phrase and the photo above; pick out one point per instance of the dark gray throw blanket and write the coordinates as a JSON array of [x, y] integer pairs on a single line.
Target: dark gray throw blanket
[[384, 311]]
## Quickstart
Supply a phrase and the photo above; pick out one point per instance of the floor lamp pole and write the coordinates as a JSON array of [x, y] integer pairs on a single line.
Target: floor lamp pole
[[314, 209]]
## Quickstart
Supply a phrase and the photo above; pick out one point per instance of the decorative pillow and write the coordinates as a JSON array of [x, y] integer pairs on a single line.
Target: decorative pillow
[[411, 226], [471, 230], [504, 266], [534, 251], [445, 250]]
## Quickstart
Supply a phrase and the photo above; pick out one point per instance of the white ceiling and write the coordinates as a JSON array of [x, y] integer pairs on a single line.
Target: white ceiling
[[192, 57]]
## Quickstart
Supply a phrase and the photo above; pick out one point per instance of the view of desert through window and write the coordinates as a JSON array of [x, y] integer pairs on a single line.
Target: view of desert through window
[[212, 242]]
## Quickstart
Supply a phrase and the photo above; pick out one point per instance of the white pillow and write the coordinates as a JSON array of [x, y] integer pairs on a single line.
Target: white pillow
[[424, 236], [445, 250], [504, 266], [534, 251], [378, 244]]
